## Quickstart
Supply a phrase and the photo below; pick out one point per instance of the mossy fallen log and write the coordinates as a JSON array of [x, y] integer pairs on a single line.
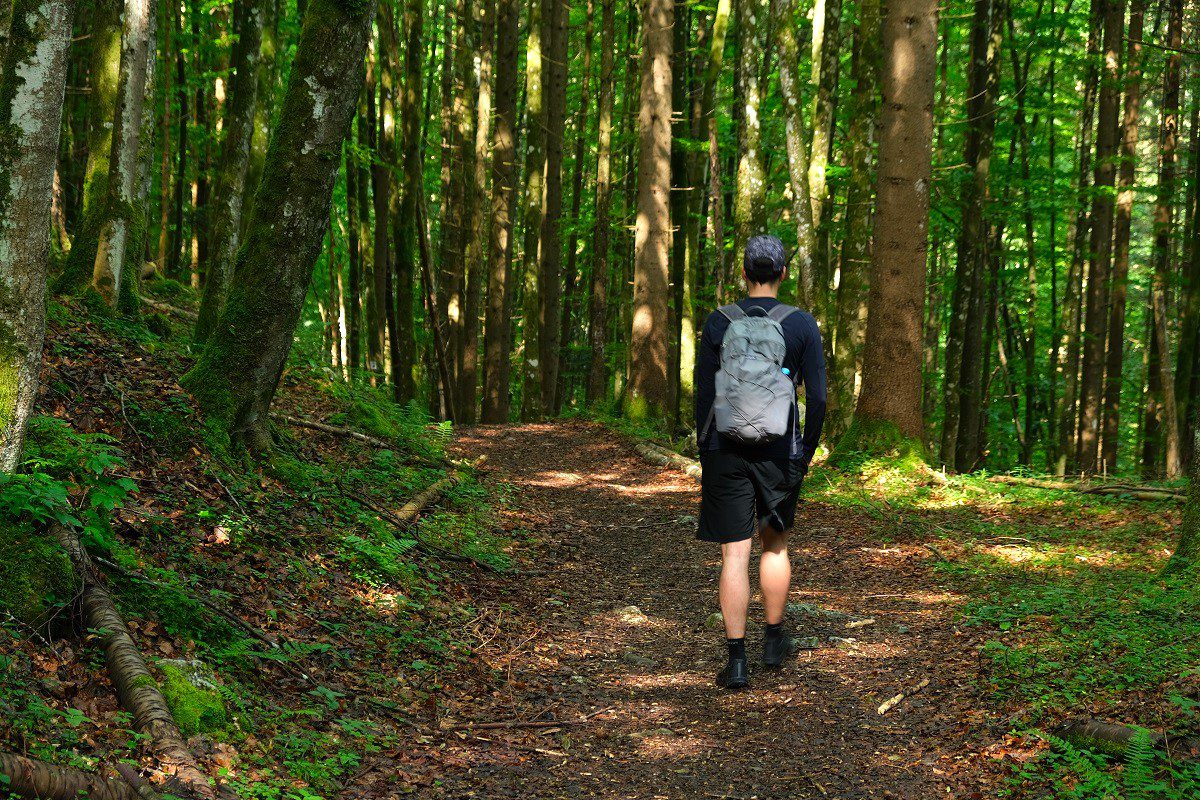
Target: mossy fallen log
[[38, 780], [1130, 491], [137, 690], [1113, 738], [667, 458]]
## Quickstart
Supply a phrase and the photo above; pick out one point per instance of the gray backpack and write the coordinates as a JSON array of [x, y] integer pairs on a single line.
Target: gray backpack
[[755, 397]]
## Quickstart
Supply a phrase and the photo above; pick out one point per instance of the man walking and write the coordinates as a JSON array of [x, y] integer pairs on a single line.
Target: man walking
[[753, 355]]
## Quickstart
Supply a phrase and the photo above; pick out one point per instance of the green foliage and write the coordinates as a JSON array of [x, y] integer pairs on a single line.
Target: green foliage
[[1142, 773], [870, 445]]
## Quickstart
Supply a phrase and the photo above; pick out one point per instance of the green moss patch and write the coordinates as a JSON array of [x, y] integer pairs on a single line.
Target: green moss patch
[[35, 575], [192, 695], [870, 445]]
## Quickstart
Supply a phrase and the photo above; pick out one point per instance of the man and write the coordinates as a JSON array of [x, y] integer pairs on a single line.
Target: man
[[754, 460]]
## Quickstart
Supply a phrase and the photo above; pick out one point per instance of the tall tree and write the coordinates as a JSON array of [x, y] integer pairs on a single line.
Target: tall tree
[[1100, 241], [598, 317], [1122, 223], [891, 382], [851, 317], [716, 191], [497, 327], [826, 62], [534, 209], [749, 205], [235, 378], [962, 438], [649, 395], [404, 217], [123, 230], [550, 268], [33, 75], [237, 128], [1164, 215]]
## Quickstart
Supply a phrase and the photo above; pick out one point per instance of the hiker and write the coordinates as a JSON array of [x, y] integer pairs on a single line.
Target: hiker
[[753, 355]]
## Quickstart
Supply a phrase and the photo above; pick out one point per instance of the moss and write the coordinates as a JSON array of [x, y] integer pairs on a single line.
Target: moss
[[35, 575], [869, 443], [159, 325], [169, 289], [296, 474], [197, 710]]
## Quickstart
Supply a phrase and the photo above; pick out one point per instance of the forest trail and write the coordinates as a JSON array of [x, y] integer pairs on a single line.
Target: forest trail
[[616, 532]]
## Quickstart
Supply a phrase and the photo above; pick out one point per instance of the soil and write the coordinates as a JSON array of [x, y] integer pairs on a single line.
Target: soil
[[604, 641]]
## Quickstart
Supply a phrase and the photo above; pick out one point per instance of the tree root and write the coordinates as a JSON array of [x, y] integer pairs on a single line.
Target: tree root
[[38, 780], [668, 458], [1130, 491], [137, 690], [1114, 738]]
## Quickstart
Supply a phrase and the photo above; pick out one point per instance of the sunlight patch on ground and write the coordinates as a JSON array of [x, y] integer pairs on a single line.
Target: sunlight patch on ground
[[668, 745], [666, 680]]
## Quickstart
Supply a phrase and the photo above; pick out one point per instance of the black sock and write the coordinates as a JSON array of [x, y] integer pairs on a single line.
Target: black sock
[[774, 631], [737, 647]]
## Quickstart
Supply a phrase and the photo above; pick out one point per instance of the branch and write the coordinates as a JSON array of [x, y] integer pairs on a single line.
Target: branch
[[38, 780]]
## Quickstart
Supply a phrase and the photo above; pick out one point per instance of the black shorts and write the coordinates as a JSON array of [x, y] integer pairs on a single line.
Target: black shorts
[[738, 493]]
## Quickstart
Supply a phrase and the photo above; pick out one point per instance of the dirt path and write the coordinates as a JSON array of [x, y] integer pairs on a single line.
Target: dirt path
[[563, 641]]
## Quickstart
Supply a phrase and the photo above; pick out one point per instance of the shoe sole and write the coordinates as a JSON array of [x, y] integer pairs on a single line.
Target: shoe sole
[[735, 686]]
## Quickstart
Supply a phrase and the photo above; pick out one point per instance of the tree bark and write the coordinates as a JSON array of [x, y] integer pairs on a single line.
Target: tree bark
[[33, 73], [750, 195], [497, 326], [235, 378], [826, 46], [851, 319], [534, 210], [1164, 208], [30, 778], [891, 388], [404, 215], [1100, 241], [549, 277], [598, 324], [649, 395], [716, 192], [1123, 221], [225, 216]]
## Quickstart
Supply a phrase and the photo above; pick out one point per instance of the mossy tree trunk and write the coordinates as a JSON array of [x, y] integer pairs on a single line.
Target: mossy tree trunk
[[123, 229], [750, 193], [497, 327], [405, 197], [891, 388], [598, 325], [225, 216], [32, 85], [235, 378], [649, 395]]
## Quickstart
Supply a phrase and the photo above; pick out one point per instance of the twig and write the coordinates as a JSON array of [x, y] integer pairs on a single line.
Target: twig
[[167, 308], [891, 703], [525, 723]]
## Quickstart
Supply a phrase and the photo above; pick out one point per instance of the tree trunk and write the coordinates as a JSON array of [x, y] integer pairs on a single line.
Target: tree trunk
[[1164, 208], [965, 378], [597, 385], [28, 777], [497, 326], [750, 198], [649, 395], [1187, 373], [826, 46], [404, 212], [1100, 241], [1123, 220], [173, 267], [534, 211], [891, 388], [225, 218], [716, 192], [1187, 552], [354, 246], [851, 319], [33, 74], [235, 378], [570, 279], [549, 276], [389, 69], [783, 13]]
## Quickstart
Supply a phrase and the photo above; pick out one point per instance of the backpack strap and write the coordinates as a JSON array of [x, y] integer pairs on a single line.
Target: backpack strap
[[781, 312], [732, 312]]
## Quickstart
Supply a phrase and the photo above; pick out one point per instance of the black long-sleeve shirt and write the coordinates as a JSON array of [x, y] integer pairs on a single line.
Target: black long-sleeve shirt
[[805, 358]]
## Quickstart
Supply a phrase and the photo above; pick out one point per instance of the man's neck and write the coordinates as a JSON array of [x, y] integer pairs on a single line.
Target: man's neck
[[762, 293]]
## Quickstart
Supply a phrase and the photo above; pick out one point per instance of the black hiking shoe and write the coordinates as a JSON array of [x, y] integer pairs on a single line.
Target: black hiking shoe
[[735, 675], [778, 648]]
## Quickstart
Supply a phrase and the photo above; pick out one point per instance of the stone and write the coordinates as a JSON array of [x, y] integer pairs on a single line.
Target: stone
[[632, 615]]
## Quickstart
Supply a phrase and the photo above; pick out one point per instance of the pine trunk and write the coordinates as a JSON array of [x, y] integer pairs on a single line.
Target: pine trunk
[[534, 209], [597, 386], [649, 395], [750, 194], [404, 215], [891, 388]]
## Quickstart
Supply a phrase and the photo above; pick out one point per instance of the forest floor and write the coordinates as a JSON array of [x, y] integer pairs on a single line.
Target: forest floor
[[607, 634], [544, 628]]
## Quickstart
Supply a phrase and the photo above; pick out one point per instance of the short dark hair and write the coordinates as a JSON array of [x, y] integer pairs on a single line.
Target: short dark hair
[[764, 259]]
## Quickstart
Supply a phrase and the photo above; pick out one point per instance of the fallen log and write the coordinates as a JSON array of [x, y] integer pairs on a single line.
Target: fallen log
[[38, 780], [301, 422], [167, 308], [1131, 491], [1114, 738], [140, 785], [137, 690], [667, 458]]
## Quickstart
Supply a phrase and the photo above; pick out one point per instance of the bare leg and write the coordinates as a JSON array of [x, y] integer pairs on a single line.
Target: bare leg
[[735, 587], [774, 574]]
